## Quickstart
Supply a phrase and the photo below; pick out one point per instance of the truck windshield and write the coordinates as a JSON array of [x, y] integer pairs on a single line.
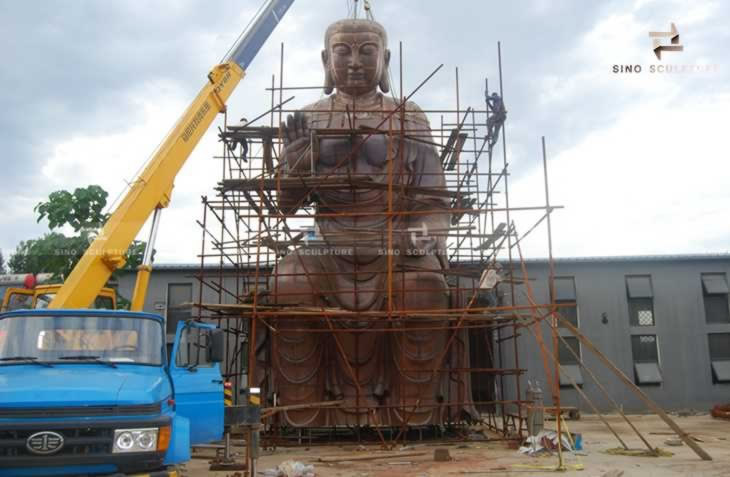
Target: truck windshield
[[116, 339]]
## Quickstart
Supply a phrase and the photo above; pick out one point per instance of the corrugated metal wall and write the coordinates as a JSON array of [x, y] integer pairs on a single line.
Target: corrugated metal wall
[[604, 289]]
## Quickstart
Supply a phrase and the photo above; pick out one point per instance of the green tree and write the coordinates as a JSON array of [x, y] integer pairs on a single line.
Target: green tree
[[2, 262], [52, 253], [82, 210], [58, 253]]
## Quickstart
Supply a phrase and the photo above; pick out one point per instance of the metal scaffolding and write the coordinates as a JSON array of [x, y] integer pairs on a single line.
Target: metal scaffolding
[[245, 233], [473, 339]]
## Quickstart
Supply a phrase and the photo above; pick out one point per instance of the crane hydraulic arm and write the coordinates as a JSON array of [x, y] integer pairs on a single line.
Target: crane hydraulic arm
[[151, 191]]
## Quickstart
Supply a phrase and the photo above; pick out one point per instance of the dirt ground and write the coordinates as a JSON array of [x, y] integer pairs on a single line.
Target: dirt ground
[[496, 458]]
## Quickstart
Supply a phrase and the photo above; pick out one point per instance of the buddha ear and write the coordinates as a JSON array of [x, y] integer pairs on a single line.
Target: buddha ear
[[384, 77], [329, 82]]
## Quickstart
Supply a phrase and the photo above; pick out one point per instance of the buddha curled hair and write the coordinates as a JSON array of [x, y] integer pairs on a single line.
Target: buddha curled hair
[[351, 25]]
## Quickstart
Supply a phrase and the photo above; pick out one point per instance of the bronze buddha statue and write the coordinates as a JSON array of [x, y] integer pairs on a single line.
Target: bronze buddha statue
[[348, 266]]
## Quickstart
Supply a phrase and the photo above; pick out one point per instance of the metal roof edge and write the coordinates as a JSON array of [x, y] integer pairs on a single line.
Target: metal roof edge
[[635, 258], [586, 259]]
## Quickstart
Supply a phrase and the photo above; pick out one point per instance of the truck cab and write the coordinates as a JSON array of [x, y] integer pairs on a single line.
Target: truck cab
[[21, 291], [92, 392]]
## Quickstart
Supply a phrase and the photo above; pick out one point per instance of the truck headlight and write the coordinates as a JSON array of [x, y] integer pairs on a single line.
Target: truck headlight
[[135, 440]]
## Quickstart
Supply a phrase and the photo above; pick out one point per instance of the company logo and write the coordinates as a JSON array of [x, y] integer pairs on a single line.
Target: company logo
[[673, 36], [419, 234], [665, 41], [45, 442]]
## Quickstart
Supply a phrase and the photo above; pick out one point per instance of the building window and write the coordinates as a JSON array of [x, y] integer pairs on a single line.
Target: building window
[[566, 344], [645, 352], [179, 297], [640, 296], [714, 293], [720, 356], [569, 362], [565, 295]]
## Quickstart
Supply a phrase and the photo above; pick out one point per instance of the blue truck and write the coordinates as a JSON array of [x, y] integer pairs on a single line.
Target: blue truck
[[89, 392]]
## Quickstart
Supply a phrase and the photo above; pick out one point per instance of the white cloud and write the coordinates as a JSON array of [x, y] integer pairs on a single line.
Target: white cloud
[[653, 182], [646, 176], [641, 172], [112, 161]]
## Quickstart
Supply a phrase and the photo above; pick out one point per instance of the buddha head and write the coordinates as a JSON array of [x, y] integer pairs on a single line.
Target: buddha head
[[356, 57]]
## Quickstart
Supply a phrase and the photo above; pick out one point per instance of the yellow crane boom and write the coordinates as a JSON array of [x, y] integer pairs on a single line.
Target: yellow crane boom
[[151, 191]]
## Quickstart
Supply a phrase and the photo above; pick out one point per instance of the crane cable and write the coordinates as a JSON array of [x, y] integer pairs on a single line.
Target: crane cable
[[368, 12], [369, 15]]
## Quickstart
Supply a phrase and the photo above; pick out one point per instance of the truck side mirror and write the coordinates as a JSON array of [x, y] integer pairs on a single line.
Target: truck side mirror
[[217, 345]]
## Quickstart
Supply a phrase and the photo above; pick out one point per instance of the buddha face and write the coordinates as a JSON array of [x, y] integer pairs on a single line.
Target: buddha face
[[355, 58]]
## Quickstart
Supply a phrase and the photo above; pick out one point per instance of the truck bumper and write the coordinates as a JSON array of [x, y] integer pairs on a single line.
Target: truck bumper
[[65, 471], [159, 473]]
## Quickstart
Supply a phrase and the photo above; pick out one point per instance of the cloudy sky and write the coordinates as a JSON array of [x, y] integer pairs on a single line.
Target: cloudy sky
[[639, 161]]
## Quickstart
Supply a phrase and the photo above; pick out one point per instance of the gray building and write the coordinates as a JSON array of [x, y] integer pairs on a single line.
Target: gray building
[[172, 286], [663, 320]]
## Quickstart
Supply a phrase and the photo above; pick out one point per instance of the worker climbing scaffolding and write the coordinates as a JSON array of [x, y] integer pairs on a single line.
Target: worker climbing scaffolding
[[496, 119]]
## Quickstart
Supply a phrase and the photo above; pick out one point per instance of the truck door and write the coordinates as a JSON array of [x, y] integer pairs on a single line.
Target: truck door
[[197, 381], [17, 298]]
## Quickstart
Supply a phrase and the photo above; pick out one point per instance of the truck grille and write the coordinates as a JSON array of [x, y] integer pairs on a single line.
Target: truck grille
[[80, 441], [80, 411]]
